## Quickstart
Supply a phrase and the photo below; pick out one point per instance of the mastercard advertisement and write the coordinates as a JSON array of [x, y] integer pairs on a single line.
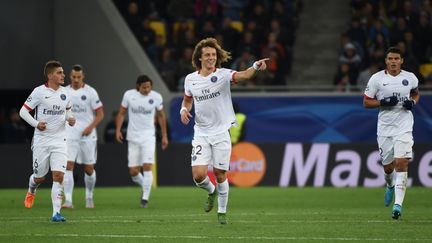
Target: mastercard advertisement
[[247, 165]]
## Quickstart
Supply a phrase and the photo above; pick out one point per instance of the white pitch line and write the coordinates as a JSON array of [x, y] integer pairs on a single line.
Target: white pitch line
[[138, 219], [282, 238]]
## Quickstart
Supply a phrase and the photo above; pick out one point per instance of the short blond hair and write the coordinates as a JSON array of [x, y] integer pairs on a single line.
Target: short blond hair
[[222, 55]]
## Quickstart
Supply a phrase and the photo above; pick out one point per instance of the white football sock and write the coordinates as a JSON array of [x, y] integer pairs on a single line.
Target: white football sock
[[147, 184], [138, 179], [56, 196], [90, 182], [223, 190], [68, 183], [206, 185], [32, 184], [400, 188], [390, 178]]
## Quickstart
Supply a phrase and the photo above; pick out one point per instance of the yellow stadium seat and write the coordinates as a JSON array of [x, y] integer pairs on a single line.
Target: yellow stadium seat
[[176, 27], [426, 69], [238, 25], [160, 30]]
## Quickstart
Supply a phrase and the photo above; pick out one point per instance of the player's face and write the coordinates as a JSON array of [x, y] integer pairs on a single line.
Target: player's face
[[208, 58], [77, 78], [145, 88], [57, 76], [393, 62]]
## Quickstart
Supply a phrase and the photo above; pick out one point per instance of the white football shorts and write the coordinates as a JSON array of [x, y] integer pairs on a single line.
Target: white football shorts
[[82, 151], [212, 150], [399, 146], [141, 153], [46, 157]]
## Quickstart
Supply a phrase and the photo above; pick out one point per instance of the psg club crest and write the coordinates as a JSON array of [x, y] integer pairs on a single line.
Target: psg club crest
[[151, 101], [213, 79], [63, 96], [405, 82], [83, 97]]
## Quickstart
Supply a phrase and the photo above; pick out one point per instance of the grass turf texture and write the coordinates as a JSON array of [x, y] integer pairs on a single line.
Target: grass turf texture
[[254, 214]]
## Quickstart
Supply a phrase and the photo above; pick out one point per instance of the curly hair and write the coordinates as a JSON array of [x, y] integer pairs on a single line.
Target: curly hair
[[222, 55]]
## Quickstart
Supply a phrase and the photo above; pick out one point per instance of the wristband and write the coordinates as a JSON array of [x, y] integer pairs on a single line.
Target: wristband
[[256, 66], [183, 109]]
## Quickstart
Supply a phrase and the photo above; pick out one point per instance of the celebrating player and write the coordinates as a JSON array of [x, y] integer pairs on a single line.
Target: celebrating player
[[210, 88]]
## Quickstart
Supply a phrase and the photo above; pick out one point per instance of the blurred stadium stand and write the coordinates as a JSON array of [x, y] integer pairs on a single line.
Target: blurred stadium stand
[[97, 35]]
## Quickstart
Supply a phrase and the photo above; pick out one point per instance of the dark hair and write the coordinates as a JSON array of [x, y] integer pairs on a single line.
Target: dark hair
[[77, 68], [50, 66], [142, 79], [393, 49]]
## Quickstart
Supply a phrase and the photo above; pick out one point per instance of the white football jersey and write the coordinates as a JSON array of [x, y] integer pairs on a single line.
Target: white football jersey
[[392, 120], [50, 107], [141, 113], [85, 101], [214, 113]]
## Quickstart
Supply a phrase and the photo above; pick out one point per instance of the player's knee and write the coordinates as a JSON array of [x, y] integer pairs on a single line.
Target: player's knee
[[198, 178], [58, 176], [133, 171], [70, 165], [39, 180]]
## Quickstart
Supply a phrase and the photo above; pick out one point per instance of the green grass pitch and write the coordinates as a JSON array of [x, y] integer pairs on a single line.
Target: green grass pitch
[[260, 214]]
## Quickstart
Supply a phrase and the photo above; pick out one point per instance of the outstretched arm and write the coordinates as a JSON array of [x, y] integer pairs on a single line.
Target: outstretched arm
[[247, 74]]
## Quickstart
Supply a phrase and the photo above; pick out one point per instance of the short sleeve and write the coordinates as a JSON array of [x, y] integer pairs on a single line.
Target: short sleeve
[[371, 88], [125, 100], [414, 81], [159, 106], [33, 100], [187, 91], [95, 103]]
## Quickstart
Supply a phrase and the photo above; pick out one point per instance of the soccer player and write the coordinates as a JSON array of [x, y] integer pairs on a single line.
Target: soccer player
[[395, 93], [143, 105], [210, 88], [82, 138], [52, 106]]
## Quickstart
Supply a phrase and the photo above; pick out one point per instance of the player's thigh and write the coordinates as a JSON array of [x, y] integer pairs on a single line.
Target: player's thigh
[[41, 161], [87, 153], [221, 155], [201, 151], [386, 148], [73, 149], [403, 146], [148, 149], [58, 157]]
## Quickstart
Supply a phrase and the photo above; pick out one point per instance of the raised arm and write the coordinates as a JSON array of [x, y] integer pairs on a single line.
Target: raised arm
[[247, 74]]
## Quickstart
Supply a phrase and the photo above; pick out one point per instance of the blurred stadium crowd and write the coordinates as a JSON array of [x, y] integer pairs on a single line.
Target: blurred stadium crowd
[[374, 26], [250, 29]]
